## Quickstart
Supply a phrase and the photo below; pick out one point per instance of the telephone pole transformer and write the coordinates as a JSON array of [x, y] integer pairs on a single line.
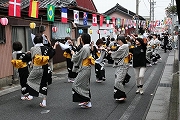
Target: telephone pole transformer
[[137, 15], [152, 4]]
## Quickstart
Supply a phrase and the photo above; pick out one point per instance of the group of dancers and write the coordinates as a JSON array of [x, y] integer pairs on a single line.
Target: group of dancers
[[34, 83], [80, 56], [120, 52]]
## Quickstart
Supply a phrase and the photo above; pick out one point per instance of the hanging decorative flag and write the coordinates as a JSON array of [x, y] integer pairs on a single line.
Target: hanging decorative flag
[[85, 18], [162, 22], [131, 24], [118, 22], [122, 23], [127, 22], [64, 15], [159, 23], [156, 23], [33, 9], [76, 16], [134, 23], [15, 8], [113, 21], [108, 20], [50, 13], [101, 20], [147, 23], [169, 21], [94, 20]]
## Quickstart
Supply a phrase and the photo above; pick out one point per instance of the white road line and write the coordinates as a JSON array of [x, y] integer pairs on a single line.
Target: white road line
[[137, 98]]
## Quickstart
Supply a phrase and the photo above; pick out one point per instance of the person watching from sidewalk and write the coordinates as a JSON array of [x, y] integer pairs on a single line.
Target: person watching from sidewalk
[[176, 40], [166, 41]]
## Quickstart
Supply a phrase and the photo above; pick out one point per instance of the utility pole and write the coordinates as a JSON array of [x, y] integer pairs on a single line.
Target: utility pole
[[172, 2], [151, 17], [137, 15], [173, 19], [152, 3], [150, 11]]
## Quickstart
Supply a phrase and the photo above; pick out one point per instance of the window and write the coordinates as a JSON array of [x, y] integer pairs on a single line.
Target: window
[[2, 34]]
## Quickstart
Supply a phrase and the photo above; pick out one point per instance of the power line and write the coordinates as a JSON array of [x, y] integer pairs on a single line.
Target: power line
[[145, 5]]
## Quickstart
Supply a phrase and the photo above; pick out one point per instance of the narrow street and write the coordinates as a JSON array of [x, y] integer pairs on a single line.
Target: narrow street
[[104, 107]]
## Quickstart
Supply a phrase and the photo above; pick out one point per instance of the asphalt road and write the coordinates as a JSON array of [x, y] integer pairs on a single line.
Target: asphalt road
[[104, 107]]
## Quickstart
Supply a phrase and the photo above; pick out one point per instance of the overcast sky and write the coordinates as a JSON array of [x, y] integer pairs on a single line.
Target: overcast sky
[[144, 6]]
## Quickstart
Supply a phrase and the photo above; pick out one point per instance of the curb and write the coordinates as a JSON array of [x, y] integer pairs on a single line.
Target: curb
[[9, 89], [160, 106]]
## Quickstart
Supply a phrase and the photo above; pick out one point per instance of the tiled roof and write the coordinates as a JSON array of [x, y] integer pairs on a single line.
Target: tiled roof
[[88, 4], [123, 10], [5, 3]]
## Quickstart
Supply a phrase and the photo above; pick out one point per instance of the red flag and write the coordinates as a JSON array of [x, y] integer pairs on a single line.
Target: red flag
[[113, 21], [15, 8], [94, 20], [101, 20], [33, 9]]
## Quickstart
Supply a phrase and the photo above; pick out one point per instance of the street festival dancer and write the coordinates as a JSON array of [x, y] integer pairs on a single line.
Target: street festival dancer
[[121, 68], [37, 80], [67, 54], [20, 61], [99, 54], [82, 65]]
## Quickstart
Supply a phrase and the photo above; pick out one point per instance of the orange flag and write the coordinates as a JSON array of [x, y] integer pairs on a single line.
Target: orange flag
[[33, 8]]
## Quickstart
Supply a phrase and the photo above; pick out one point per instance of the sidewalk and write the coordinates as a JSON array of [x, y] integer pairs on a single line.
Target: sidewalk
[[161, 107]]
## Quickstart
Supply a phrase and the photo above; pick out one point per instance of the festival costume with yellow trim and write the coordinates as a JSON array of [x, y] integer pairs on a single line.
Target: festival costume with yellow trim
[[68, 56], [82, 64], [40, 60], [121, 70], [38, 78], [20, 61]]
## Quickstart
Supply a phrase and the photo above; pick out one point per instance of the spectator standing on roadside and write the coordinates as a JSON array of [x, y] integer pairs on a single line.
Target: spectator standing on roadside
[[166, 41]]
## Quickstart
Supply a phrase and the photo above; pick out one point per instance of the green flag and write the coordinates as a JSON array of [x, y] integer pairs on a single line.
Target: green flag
[[108, 20], [50, 13]]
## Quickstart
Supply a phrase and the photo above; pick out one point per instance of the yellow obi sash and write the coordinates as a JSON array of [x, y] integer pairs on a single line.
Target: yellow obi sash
[[113, 47], [66, 55], [128, 58], [88, 61], [98, 54], [104, 45], [40, 60], [18, 63], [131, 46]]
